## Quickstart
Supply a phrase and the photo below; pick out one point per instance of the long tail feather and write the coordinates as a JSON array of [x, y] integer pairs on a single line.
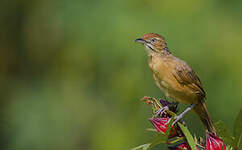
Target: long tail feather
[[202, 112]]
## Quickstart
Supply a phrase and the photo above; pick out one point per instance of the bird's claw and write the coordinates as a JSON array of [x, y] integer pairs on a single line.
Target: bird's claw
[[179, 117], [176, 119], [161, 110]]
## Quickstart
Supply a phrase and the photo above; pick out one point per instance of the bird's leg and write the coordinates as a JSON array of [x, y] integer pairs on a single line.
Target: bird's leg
[[177, 118], [161, 110]]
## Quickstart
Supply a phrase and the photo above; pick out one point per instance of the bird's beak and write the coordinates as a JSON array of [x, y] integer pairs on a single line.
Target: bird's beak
[[140, 40]]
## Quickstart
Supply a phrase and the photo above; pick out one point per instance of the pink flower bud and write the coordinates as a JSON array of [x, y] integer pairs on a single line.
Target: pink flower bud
[[214, 143], [183, 146], [160, 124]]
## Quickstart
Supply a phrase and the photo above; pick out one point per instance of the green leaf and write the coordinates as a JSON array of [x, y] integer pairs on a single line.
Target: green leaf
[[237, 131], [188, 135], [143, 147], [223, 132], [228, 147], [159, 138]]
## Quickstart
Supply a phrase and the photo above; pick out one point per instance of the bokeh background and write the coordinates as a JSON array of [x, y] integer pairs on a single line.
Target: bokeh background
[[71, 75]]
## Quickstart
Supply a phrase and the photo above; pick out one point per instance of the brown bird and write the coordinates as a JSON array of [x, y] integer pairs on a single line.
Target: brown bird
[[176, 78]]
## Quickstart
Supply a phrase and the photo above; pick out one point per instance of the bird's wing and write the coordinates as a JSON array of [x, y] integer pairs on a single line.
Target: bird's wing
[[187, 77]]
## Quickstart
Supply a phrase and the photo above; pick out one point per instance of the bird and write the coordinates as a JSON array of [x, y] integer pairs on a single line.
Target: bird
[[176, 78]]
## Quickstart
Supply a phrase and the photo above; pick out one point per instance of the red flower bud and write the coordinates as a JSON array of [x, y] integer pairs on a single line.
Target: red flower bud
[[214, 143], [183, 146], [160, 124]]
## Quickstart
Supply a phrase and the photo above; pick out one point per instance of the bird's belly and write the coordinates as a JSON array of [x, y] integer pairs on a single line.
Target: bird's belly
[[175, 91], [162, 85]]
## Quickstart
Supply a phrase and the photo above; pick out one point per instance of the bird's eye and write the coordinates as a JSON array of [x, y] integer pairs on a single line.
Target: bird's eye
[[153, 40]]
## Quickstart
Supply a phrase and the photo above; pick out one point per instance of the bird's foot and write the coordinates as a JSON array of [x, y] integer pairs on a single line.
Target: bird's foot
[[179, 117], [161, 110], [176, 119]]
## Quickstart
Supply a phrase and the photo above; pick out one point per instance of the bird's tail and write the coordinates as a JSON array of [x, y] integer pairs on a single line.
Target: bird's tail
[[202, 112]]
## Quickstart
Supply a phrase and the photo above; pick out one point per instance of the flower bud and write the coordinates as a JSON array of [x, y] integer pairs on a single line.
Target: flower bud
[[160, 124], [183, 146], [214, 143]]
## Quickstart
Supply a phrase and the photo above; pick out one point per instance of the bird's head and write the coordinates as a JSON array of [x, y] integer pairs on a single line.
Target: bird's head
[[154, 43]]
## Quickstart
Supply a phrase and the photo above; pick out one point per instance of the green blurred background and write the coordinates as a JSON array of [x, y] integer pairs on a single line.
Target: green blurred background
[[71, 75]]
